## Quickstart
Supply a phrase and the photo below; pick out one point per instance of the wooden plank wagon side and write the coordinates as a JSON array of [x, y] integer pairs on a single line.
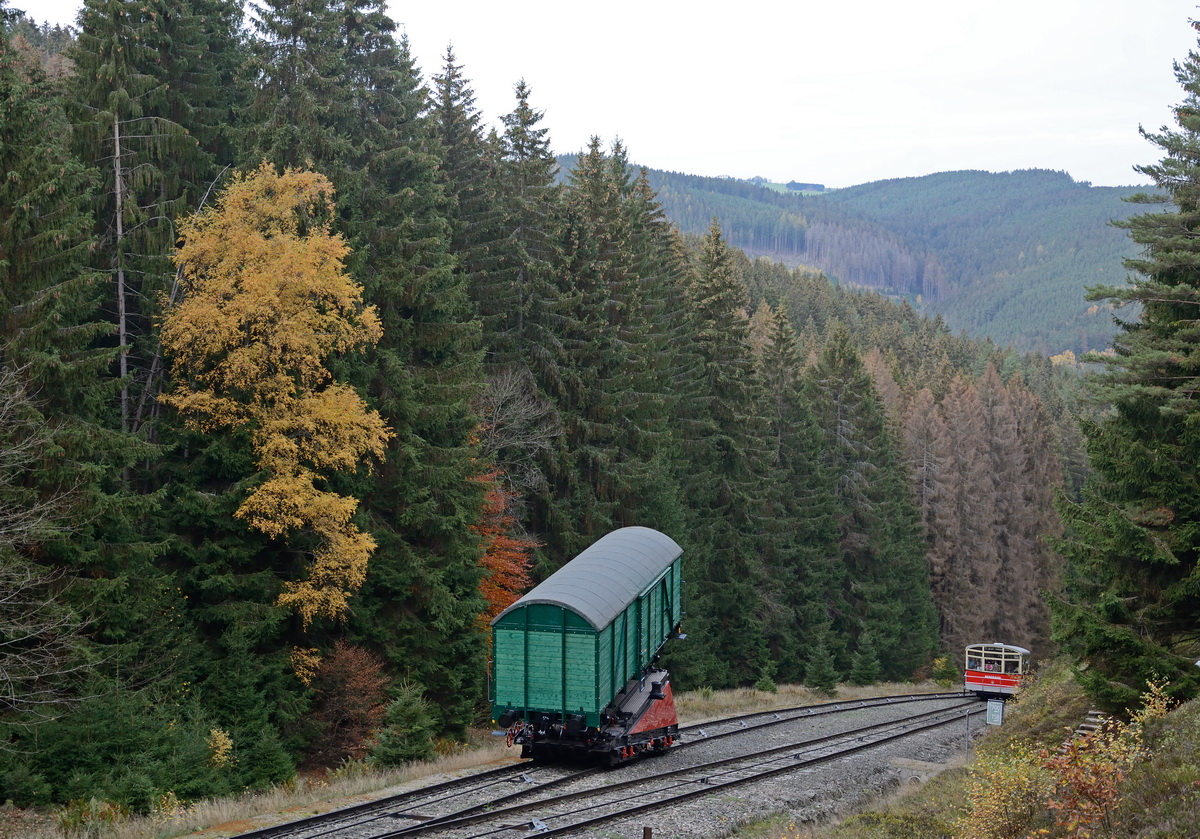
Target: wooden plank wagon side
[[574, 660]]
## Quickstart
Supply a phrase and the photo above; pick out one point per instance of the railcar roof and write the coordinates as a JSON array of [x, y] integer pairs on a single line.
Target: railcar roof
[[606, 577], [1012, 647]]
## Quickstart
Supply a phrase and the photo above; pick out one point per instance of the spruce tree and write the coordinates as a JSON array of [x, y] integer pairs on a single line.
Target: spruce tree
[[420, 602], [407, 733], [605, 384], [516, 300], [820, 670], [1131, 541], [49, 301], [44, 655], [885, 587], [590, 367], [864, 664], [52, 339], [728, 479], [299, 67], [467, 159], [137, 100], [801, 543]]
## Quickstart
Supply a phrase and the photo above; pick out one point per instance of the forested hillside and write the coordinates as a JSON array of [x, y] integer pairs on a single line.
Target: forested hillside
[[306, 372], [1007, 256], [1016, 251]]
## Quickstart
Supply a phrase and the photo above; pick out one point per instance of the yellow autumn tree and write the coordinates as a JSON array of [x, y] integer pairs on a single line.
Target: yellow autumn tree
[[267, 302]]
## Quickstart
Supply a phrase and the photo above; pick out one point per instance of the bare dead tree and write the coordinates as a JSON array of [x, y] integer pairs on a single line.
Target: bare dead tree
[[24, 519], [517, 424], [42, 655], [41, 644]]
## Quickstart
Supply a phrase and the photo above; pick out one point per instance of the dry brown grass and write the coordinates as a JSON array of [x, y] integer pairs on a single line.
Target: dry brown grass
[[218, 818], [697, 706], [306, 796]]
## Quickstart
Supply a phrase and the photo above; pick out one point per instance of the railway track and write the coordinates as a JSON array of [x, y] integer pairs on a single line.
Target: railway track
[[582, 809], [360, 817], [761, 719], [507, 792]]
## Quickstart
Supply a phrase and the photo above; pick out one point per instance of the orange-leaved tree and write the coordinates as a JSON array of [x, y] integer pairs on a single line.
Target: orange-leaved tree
[[267, 302], [352, 700], [506, 557]]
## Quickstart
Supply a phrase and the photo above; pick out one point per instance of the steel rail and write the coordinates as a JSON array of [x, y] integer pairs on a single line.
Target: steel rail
[[822, 709], [819, 709], [357, 815], [472, 815], [769, 773], [360, 811]]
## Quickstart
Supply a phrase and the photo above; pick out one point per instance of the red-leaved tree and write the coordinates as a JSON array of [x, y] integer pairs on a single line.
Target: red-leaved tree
[[351, 702], [506, 558]]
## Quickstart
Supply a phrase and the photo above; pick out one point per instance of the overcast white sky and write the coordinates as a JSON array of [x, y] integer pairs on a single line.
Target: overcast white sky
[[833, 92]]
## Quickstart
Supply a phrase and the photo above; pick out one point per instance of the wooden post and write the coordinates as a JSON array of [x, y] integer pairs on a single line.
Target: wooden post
[[647, 833]]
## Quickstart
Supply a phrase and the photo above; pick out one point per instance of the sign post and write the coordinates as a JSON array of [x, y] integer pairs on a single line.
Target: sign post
[[995, 712]]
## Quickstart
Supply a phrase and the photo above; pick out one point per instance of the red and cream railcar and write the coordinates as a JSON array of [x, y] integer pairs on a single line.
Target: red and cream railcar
[[995, 669]]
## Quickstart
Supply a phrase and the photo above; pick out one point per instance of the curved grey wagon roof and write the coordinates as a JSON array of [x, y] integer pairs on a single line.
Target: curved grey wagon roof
[[606, 577], [1013, 647]]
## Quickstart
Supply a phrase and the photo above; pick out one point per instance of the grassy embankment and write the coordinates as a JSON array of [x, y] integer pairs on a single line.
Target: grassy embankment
[[1153, 788]]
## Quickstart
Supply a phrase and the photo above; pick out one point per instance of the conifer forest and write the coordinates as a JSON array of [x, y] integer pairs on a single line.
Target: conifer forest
[[307, 371]]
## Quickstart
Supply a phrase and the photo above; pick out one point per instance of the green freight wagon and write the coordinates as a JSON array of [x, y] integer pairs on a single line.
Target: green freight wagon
[[576, 655]]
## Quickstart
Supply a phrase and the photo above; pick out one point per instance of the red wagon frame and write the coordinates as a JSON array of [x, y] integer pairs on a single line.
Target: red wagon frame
[[995, 669]]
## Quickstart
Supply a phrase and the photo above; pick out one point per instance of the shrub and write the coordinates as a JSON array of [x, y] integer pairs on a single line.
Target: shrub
[[220, 747], [90, 818], [24, 785], [1006, 791], [349, 770], [408, 729], [820, 673], [351, 701], [945, 672], [122, 746], [1163, 794], [447, 747], [895, 826], [766, 684], [1089, 771]]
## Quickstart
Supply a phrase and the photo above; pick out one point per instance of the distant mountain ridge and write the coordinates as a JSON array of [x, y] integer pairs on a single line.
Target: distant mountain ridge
[[1007, 256]]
